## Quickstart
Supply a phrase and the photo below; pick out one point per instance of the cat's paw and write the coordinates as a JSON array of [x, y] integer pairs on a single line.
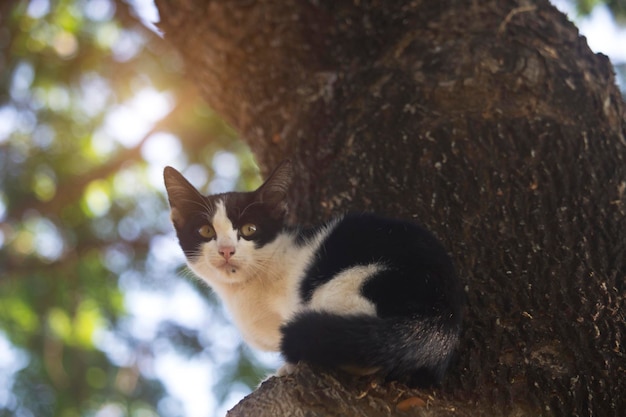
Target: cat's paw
[[286, 369]]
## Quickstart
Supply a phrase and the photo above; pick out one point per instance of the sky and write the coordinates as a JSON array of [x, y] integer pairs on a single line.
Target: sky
[[602, 34]]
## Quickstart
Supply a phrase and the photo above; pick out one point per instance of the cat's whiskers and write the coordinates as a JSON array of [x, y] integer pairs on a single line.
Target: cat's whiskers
[[188, 273], [262, 266], [259, 270]]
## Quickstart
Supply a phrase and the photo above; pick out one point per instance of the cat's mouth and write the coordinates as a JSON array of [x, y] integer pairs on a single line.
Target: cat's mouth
[[228, 267]]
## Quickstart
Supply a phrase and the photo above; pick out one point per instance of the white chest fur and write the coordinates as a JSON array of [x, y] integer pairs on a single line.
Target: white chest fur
[[260, 290], [261, 304]]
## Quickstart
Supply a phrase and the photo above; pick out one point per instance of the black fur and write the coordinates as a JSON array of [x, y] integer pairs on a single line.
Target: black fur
[[412, 349], [417, 297]]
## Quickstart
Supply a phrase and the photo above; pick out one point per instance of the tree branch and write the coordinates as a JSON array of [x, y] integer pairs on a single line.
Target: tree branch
[[73, 188], [335, 394]]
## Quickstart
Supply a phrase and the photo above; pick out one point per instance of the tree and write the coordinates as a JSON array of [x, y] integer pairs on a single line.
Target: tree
[[491, 123]]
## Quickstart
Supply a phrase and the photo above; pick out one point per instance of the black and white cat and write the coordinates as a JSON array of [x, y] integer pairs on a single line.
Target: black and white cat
[[361, 292]]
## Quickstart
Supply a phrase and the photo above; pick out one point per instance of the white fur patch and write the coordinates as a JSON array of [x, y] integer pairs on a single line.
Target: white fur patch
[[260, 287], [226, 233], [210, 265], [342, 294]]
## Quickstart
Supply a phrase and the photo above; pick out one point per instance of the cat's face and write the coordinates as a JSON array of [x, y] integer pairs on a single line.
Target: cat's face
[[227, 237], [227, 240]]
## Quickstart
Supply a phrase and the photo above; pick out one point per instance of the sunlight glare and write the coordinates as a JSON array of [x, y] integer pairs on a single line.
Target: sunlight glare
[[23, 77], [127, 44], [99, 10], [167, 251], [38, 8], [94, 93], [170, 406], [188, 309], [8, 122], [97, 199], [187, 379], [127, 182], [129, 229], [12, 360], [117, 258], [161, 149], [130, 122], [116, 348], [110, 410], [102, 144], [43, 136], [3, 206], [48, 243], [226, 167], [148, 309], [181, 304]]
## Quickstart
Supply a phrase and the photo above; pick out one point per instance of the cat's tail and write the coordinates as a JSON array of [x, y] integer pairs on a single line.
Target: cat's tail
[[415, 350]]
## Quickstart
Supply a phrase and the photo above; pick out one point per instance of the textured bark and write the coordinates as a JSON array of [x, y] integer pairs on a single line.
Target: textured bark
[[491, 123]]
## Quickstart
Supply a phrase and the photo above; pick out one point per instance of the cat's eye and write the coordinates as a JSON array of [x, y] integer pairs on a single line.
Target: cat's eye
[[247, 230], [206, 231]]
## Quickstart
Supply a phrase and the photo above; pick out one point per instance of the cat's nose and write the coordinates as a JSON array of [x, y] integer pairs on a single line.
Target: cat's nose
[[226, 251]]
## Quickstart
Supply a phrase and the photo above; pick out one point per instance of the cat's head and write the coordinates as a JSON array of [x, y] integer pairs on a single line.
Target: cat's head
[[227, 237]]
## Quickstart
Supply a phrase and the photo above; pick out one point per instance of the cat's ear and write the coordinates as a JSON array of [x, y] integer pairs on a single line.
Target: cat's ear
[[274, 189], [183, 197]]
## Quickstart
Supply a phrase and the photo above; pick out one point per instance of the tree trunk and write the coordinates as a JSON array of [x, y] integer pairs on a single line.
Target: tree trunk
[[492, 124]]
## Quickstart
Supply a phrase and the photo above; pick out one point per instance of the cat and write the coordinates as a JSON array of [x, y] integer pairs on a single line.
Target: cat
[[362, 293]]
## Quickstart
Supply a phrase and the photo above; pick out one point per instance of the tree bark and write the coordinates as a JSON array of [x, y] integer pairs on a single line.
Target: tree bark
[[492, 124]]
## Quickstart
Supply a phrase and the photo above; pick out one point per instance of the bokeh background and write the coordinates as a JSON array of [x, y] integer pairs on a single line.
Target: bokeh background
[[98, 315]]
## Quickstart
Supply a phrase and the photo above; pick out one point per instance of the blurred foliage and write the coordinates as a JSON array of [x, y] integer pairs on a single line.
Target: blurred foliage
[[617, 8], [92, 105]]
